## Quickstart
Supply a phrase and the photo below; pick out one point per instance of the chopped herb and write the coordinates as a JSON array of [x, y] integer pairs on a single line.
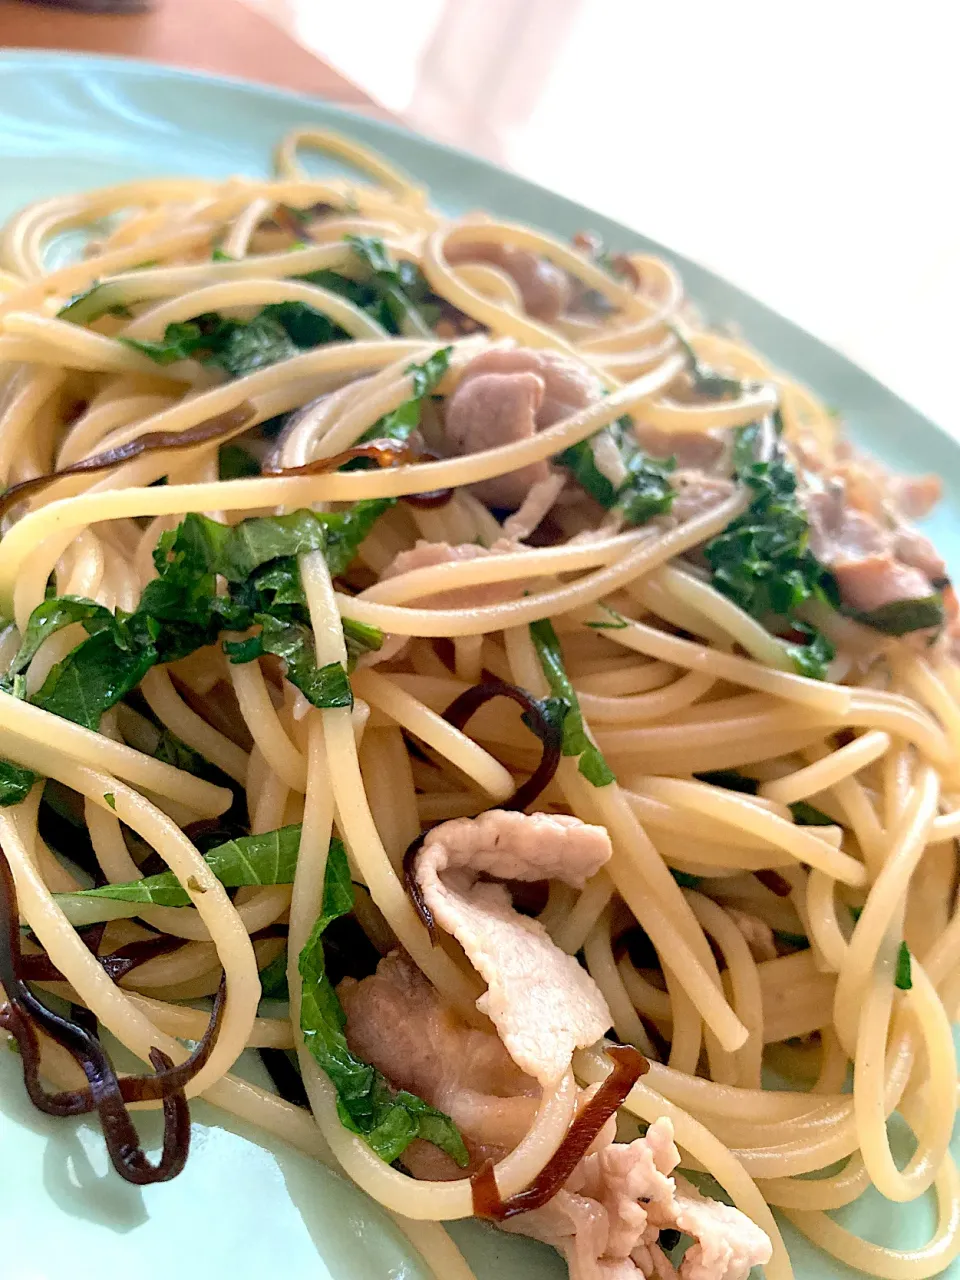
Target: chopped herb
[[93, 678], [618, 621], [15, 783], [563, 707], [807, 815], [903, 979], [270, 858], [52, 616], [111, 799], [684, 879], [181, 611], [387, 1119], [396, 293], [273, 979], [709, 382], [171, 750], [400, 422], [102, 298], [615, 471], [361, 638], [762, 560], [325, 687], [814, 657], [236, 463], [427, 376], [902, 616], [279, 331]]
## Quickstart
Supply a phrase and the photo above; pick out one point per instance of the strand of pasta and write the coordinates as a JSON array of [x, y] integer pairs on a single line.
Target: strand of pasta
[[642, 638], [401, 620], [171, 710], [826, 773], [640, 875], [71, 957], [72, 514], [886, 1263], [38, 739], [598, 953], [798, 841], [353, 812], [426, 725], [744, 984]]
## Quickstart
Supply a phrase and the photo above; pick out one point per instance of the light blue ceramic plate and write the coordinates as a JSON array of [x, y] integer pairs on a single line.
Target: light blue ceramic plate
[[246, 1209]]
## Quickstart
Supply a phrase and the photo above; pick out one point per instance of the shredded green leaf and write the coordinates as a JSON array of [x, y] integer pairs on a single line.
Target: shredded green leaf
[[903, 979], [707, 381], [270, 858], [814, 656], [279, 331], [273, 979], [236, 463], [181, 610], [361, 638], [902, 616], [15, 783], [563, 707], [394, 293], [617, 621], [684, 879], [325, 687], [808, 815], [615, 471], [102, 298], [388, 1120], [402, 421], [761, 560]]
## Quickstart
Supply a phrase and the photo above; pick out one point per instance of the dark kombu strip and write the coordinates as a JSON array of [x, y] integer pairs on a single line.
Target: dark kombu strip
[[629, 1065], [383, 452], [107, 1094], [222, 427], [458, 714]]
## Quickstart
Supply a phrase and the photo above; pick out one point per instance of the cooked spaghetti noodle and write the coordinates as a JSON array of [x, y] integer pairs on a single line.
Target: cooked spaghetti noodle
[[631, 563]]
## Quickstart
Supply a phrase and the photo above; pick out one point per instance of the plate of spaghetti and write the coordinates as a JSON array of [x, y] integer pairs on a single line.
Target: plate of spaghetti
[[479, 727]]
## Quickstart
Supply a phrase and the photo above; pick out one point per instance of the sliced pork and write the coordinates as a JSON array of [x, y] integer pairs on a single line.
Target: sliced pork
[[704, 450], [397, 1021], [543, 1004], [506, 396], [697, 493], [607, 1220], [874, 566], [425, 555], [544, 288]]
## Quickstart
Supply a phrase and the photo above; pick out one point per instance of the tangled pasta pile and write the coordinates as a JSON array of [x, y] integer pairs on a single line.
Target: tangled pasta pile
[[434, 625]]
